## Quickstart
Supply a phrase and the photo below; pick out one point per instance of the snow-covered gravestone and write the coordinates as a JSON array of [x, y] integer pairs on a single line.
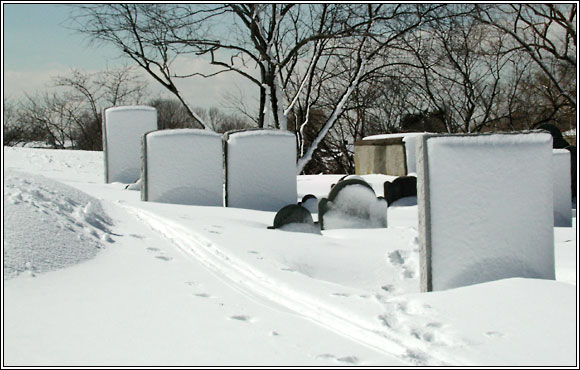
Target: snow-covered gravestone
[[182, 166], [352, 204], [562, 188], [123, 129], [485, 208], [260, 169]]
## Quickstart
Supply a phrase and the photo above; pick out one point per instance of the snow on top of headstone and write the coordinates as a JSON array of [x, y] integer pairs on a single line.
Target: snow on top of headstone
[[394, 136], [507, 139], [232, 136], [182, 131], [129, 108]]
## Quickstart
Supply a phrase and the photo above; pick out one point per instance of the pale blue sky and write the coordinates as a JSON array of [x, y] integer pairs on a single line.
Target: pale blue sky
[[35, 37], [37, 46]]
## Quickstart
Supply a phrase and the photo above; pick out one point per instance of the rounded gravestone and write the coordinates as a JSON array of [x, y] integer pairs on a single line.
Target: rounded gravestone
[[352, 204], [343, 184], [401, 187], [294, 217]]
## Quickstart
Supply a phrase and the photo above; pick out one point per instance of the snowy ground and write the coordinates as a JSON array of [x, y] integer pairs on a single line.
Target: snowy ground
[[93, 276]]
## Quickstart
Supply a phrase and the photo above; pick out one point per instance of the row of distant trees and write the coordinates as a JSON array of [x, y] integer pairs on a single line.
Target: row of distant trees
[[69, 115], [334, 73]]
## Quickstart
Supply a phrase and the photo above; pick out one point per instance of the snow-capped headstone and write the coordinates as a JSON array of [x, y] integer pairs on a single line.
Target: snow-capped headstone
[[485, 208], [123, 129], [352, 203], [401, 187], [183, 166], [562, 189], [260, 169]]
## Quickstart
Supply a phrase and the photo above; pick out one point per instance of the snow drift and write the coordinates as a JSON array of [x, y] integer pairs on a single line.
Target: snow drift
[[49, 225]]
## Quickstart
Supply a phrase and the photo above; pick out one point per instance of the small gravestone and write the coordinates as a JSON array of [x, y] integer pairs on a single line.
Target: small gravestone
[[295, 218], [123, 129], [562, 193], [573, 154], [401, 187], [310, 202], [260, 169], [183, 166], [352, 203]]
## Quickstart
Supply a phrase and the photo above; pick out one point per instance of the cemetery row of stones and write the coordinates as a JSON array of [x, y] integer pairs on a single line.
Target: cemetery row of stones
[[191, 166], [172, 162], [480, 216], [351, 203], [252, 169]]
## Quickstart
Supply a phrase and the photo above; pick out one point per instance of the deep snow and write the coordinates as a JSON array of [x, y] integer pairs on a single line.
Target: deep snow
[[172, 284]]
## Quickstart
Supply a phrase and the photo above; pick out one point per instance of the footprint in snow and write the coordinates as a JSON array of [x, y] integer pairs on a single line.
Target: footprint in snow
[[352, 360], [494, 334], [340, 295], [244, 318], [401, 260], [204, 295]]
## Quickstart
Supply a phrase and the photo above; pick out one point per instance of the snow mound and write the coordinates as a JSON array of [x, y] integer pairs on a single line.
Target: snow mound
[[355, 206], [49, 225]]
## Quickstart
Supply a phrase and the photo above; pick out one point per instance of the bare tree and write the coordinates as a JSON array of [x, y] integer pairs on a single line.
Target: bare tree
[[70, 114], [547, 32], [15, 131], [141, 32]]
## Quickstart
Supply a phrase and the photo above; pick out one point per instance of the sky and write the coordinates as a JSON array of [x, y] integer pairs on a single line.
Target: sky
[[37, 46]]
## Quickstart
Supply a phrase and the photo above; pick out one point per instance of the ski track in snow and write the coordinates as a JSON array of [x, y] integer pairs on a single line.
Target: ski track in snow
[[414, 345]]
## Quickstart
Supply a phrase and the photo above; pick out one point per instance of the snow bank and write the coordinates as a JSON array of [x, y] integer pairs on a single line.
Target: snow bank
[[562, 188], [485, 208], [48, 225], [260, 169], [123, 129], [183, 166]]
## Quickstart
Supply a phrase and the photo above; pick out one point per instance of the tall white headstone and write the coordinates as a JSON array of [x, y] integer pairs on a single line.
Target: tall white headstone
[[183, 166], [123, 129], [261, 169], [485, 208]]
